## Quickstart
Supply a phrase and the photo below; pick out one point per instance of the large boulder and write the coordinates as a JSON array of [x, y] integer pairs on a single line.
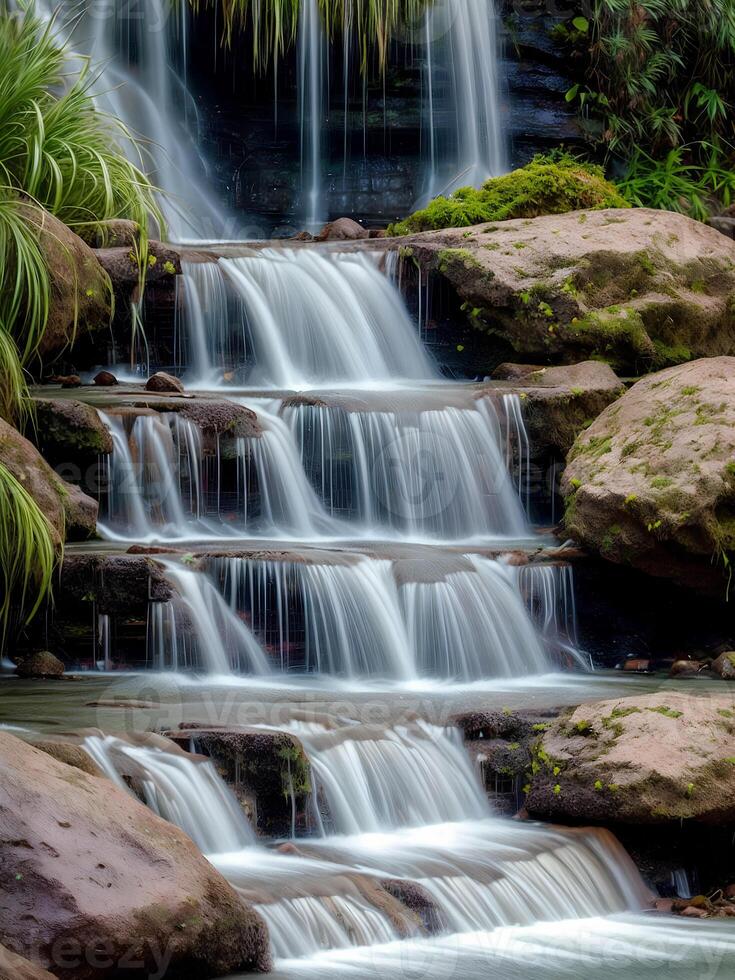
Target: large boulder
[[81, 297], [121, 263], [638, 288], [70, 513], [653, 759], [13, 967], [651, 482], [66, 430], [40, 664], [94, 882]]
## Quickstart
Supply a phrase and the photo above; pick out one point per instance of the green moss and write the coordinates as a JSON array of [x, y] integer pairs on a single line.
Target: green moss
[[546, 185], [456, 256], [664, 709], [661, 482]]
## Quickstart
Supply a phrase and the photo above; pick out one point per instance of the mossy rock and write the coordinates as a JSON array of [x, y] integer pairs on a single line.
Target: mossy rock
[[547, 185], [651, 482]]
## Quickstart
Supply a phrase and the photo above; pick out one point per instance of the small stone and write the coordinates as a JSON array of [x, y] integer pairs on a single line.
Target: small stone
[[694, 913], [729, 891], [724, 666], [160, 381], [40, 664], [105, 379], [685, 668], [343, 229], [69, 381], [664, 905], [637, 664]]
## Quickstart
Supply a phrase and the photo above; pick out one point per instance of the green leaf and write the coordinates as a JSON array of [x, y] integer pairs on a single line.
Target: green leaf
[[581, 24], [571, 94]]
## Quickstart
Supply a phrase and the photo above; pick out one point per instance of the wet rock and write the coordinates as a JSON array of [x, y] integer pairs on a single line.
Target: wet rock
[[686, 668], [69, 512], [654, 759], [160, 381], [86, 863], [638, 288], [267, 770], [419, 902], [651, 483], [115, 233], [67, 429], [81, 298], [121, 264], [116, 583], [14, 967], [69, 380], [222, 419], [343, 229], [724, 666], [105, 379], [70, 754], [40, 664]]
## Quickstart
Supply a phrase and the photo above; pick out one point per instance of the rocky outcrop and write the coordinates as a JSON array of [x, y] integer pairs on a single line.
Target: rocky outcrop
[[724, 666], [13, 967], [651, 483], [71, 514], [41, 664], [116, 583], [162, 382], [654, 759], [638, 288], [559, 402], [114, 233], [66, 430], [81, 297], [268, 771], [122, 266], [70, 754], [87, 867]]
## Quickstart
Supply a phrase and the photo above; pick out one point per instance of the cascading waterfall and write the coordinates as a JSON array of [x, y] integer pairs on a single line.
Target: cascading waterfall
[[465, 140], [317, 318], [312, 59], [187, 793], [438, 473]]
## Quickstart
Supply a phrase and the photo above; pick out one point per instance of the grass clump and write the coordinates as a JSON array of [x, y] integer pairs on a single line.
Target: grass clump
[[549, 184], [27, 552]]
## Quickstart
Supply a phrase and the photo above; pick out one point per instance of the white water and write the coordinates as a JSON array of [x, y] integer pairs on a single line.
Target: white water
[[317, 318], [437, 473], [187, 793], [312, 74]]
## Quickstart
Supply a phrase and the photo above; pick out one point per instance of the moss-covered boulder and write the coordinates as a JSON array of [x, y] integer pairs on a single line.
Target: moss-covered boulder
[[81, 295], [638, 288], [67, 431], [654, 759], [546, 185], [651, 483], [71, 513]]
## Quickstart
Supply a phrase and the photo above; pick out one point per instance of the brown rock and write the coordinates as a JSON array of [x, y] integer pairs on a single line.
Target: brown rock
[[651, 483], [637, 664], [69, 380], [724, 666], [70, 754], [341, 230], [81, 298], [692, 912], [686, 668], [121, 264], [66, 429], [117, 232], [654, 759], [41, 664], [105, 379], [13, 967], [86, 863], [639, 288], [160, 381]]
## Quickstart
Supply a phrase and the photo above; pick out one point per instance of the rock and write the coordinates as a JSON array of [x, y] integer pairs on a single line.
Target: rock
[[117, 232], [67, 429], [692, 912], [121, 265], [724, 666], [640, 289], [419, 902], [41, 664], [81, 297], [341, 230], [686, 668], [105, 379], [558, 402], [69, 380], [637, 665], [651, 483], [221, 418], [85, 863], [13, 967], [263, 768], [653, 759], [70, 754], [116, 583], [69, 512], [723, 224], [160, 381]]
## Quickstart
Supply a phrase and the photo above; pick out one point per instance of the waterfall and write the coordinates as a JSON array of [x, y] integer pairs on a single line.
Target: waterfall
[[466, 142], [209, 343], [517, 447], [461, 618], [439, 473], [317, 318], [549, 592], [312, 60], [184, 791]]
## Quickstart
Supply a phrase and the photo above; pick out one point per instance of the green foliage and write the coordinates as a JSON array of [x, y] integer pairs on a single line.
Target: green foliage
[[27, 552], [658, 92], [274, 22], [549, 184]]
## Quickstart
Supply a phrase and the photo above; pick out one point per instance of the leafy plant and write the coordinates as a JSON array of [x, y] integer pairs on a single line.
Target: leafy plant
[[27, 552]]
